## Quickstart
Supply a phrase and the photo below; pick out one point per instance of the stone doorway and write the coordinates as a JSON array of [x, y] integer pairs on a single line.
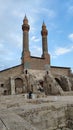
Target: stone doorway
[[18, 86], [41, 88]]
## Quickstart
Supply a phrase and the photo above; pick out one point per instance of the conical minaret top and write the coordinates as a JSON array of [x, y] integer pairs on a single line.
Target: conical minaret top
[[44, 30], [25, 26], [25, 20]]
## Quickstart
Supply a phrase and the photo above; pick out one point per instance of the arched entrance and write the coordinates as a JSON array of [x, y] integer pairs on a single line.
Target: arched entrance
[[18, 86], [41, 88], [60, 83]]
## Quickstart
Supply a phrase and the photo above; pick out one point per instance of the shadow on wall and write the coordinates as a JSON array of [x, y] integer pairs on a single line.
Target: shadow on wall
[[60, 83], [64, 83]]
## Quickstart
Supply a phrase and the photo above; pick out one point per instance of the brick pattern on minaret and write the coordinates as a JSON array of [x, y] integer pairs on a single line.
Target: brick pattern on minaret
[[44, 34], [25, 28], [25, 52]]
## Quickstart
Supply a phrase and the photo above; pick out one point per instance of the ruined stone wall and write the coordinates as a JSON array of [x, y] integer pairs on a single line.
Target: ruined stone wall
[[5, 79], [5, 74], [60, 71], [70, 116], [47, 117], [52, 113]]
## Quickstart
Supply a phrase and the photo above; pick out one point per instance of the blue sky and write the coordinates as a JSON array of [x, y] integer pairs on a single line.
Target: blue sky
[[58, 17]]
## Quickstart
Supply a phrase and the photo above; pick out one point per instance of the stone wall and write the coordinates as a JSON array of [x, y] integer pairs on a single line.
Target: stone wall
[[36, 63], [70, 116], [52, 113], [47, 117], [5, 77], [35, 76], [5, 74], [60, 70]]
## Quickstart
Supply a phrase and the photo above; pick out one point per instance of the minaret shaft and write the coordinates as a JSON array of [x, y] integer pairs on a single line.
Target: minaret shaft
[[25, 41], [44, 34], [44, 44], [25, 52]]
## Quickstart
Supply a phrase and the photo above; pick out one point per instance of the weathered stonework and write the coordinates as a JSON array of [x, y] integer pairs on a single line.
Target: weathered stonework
[[30, 75], [29, 103], [51, 113]]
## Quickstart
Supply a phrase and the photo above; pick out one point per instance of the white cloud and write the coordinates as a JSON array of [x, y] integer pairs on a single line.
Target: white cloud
[[71, 36], [34, 39], [61, 51], [36, 50]]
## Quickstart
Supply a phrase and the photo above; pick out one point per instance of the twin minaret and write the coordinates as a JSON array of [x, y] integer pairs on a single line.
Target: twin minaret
[[25, 28], [44, 33]]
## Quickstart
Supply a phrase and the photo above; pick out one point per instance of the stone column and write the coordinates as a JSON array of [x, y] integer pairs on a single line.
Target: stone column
[[12, 86]]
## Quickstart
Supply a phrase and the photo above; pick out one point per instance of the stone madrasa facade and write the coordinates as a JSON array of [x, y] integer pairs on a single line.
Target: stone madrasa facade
[[35, 74]]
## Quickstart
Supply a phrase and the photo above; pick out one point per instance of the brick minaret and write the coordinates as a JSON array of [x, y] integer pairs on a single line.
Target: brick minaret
[[44, 34], [25, 52]]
